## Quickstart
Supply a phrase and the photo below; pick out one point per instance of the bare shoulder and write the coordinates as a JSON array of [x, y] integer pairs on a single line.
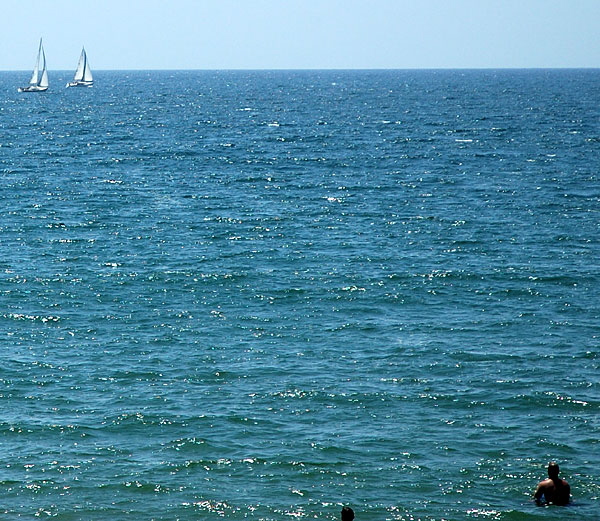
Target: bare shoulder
[[542, 487]]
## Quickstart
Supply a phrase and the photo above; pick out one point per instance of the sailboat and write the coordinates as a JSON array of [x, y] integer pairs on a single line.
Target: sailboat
[[38, 82], [83, 74]]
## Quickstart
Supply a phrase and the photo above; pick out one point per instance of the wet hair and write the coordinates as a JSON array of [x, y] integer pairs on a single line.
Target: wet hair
[[347, 514], [553, 470]]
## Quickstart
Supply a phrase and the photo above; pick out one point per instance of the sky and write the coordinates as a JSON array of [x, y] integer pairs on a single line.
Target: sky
[[301, 34]]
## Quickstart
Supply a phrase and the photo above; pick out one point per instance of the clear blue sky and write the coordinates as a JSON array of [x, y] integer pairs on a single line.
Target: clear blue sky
[[301, 34]]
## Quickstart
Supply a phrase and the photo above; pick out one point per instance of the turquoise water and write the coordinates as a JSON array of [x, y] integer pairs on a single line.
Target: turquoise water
[[268, 294]]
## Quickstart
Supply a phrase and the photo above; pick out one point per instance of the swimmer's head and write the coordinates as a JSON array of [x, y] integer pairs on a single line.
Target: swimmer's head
[[347, 514], [553, 470]]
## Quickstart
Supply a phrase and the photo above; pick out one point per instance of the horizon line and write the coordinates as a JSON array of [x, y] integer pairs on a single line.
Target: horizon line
[[332, 69]]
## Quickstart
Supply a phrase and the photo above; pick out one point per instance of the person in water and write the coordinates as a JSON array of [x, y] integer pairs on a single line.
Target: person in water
[[347, 514], [554, 490]]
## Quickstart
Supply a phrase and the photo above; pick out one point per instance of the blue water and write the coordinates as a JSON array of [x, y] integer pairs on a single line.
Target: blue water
[[266, 295]]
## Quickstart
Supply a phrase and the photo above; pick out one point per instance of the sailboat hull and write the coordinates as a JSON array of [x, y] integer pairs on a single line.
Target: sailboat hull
[[32, 88], [80, 84]]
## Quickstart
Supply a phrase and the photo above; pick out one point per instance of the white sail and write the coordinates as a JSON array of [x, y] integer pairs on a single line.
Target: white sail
[[34, 76], [87, 72], [80, 66], [44, 79], [36, 70]]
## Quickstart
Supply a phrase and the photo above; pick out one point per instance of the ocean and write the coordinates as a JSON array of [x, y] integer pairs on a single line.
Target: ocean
[[268, 294]]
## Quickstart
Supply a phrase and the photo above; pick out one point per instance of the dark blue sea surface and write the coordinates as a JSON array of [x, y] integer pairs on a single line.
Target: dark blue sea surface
[[265, 295]]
